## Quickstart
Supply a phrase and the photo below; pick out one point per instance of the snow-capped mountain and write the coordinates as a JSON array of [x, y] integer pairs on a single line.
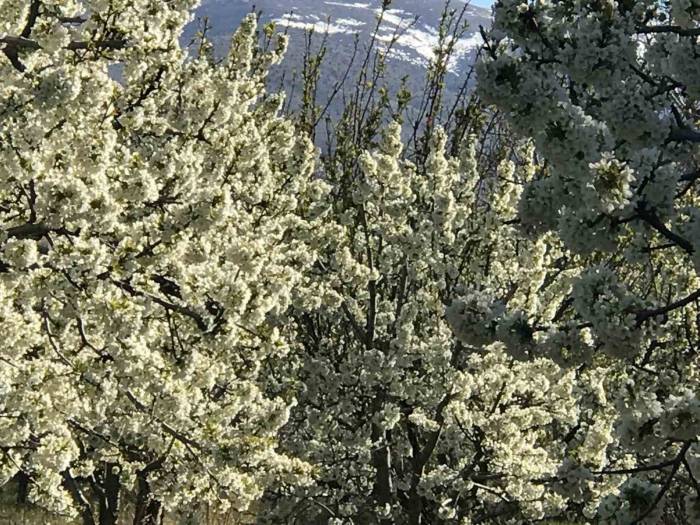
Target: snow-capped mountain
[[412, 23]]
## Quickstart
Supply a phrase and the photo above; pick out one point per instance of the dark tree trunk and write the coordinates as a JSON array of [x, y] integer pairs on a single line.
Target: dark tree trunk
[[414, 507], [83, 504], [109, 501], [22, 487], [381, 460], [149, 511]]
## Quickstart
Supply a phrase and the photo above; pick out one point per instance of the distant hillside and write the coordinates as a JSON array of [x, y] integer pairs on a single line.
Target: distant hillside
[[415, 21]]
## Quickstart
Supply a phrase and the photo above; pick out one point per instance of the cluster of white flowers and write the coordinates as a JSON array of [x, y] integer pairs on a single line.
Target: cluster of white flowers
[[194, 318], [608, 93], [604, 303], [473, 318], [154, 230], [403, 420]]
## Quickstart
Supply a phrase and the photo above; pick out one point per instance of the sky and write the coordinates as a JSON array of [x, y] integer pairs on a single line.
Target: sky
[[482, 3]]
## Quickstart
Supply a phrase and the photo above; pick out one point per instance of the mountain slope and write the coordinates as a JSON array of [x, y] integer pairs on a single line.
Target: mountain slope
[[412, 23]]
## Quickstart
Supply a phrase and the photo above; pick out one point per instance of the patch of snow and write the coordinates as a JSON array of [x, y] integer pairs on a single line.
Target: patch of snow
[[313, 22], [292, 17], [422, 42], [405, 56], [357, 5], [396, 17], [349, 22]]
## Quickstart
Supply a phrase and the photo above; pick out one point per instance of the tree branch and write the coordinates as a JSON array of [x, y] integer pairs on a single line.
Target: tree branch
[[684, 135], [647, 314], [35, 231], [31, 19], [183, 310], [681, 31], [656, 223], [667, 484], [20, 42]]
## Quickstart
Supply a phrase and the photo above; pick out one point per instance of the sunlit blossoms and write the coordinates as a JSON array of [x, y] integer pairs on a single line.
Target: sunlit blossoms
[[499, 326], [154, 209]]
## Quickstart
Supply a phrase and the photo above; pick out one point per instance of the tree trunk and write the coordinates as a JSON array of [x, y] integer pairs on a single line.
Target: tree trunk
[[109, 502], [83, 504], [381, 460], [22, 487], [414, 507], [149, 511]]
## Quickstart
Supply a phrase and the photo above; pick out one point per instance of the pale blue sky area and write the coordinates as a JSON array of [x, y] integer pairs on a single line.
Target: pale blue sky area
[[482, 3]]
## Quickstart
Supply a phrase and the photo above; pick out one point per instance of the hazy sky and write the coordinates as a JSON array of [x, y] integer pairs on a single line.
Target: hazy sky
[[482, 3]]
